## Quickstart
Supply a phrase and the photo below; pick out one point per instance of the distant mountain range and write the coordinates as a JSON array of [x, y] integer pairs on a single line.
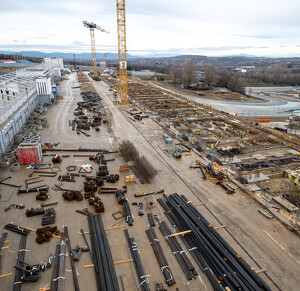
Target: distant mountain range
[[70, 56], [109, 56]]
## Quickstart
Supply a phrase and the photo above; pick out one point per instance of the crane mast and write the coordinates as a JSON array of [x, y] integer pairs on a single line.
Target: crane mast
[[121, 20], [94, 58], [92, 27]]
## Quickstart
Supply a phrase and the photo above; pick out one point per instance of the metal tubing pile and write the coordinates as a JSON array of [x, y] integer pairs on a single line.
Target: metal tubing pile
[[126, 208], [179, 253], [74, 273], [160, 256], [16, 228], [103, 263], [19, 265], [190, 245], [2, 240], [229, 267], [135, 254], [57, 280], [127, 213]]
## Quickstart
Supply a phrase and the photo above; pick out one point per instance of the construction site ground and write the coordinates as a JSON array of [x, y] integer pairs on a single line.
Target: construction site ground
[[263, 243], [214, 93]]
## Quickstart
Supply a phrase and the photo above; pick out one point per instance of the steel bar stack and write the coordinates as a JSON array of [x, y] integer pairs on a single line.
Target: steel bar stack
[[228, 266], [17, 229], [127, 213], [179, 253], [75, 279], [61, 262], [20, 260], [162, 261], [193, 250], [142, 166], [103, 263], [135, 254], [2, 240]]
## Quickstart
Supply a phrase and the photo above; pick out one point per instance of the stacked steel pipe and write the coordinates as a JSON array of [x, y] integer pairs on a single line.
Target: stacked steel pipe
[[16, 228], [103, 263], [57, 279], [74, 273], [229, 267], [2, 240], [162, 261], [191, 247], [135, 254], [126, 208], [20, 262], [179, 253]]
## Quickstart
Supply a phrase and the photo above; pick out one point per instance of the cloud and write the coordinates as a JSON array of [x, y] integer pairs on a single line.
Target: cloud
[[261, 36], [186, 27]]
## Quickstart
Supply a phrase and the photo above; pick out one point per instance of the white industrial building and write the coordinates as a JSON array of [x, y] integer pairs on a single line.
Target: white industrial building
[[21, 91]]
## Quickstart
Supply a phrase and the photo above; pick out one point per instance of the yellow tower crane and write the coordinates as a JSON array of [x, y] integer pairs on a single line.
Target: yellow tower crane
[[121, 18], [92, 26]]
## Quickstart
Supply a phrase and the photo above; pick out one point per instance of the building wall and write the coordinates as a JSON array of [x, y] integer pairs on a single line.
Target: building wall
[[43, 86], [56, 61], [15, 123]]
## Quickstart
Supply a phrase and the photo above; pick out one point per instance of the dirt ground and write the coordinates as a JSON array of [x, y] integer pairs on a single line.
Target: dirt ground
[[214, 93], [262, 243]]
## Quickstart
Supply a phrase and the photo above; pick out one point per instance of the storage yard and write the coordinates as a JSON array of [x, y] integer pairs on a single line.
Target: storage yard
[[159, 194]]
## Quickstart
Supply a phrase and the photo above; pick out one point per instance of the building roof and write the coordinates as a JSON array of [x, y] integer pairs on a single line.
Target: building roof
[[8, 62]]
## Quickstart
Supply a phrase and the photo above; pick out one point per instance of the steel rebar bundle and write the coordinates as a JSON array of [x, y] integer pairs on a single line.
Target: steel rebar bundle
[[103, 263], [193, 250], [127, 213], [229, 267], [143, 167], [16, 228], [128, 150], [179, 253], [161, 259], [20, 259], [75, 279], [135, 254]]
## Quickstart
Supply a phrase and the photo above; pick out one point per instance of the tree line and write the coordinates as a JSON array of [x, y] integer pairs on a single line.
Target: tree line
[[221, 76]]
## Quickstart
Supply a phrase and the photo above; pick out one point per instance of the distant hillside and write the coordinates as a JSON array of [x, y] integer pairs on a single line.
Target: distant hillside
[[66, 56]]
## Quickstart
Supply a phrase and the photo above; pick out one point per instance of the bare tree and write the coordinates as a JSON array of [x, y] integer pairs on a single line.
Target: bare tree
[[236, 84], [189, 73], [210, 75], [176, 74], [224, 77]]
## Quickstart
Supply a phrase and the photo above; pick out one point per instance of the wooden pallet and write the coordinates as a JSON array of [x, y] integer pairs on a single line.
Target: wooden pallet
[[124, 168], [130, 178]]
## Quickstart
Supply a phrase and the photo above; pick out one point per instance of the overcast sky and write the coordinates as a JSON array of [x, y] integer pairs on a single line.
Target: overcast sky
[[211, 27]]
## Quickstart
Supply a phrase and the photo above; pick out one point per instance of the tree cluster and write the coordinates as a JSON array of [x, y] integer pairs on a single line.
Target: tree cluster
[[281, 75], [212, 76], [186, 75]]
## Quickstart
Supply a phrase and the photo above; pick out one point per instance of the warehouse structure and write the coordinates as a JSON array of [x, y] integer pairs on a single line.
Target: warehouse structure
[[21, 91]]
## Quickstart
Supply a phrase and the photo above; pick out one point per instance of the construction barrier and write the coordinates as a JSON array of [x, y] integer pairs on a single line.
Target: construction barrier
[[262, 120]]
